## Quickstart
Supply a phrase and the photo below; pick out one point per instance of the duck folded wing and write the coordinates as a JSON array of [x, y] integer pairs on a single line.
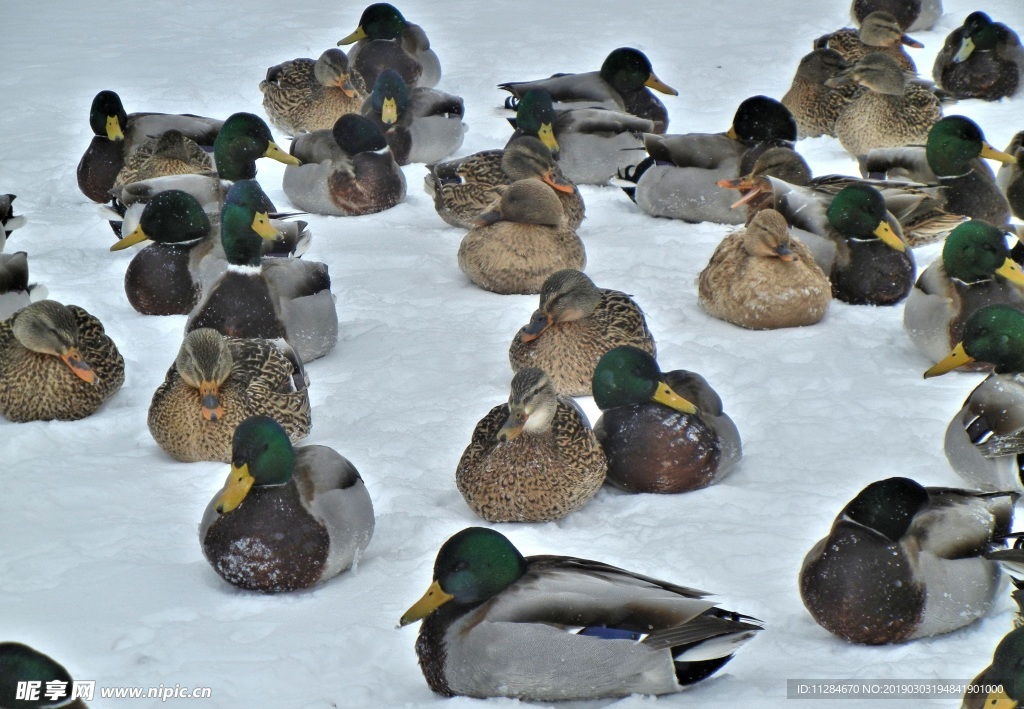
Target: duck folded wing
[[597, 120], [565, 88], [144, 126], [431, 102], [960, 524], [908, 163], [319, 146]]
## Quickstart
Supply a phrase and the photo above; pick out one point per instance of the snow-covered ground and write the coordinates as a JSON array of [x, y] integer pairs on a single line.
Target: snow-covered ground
[[100, 564]]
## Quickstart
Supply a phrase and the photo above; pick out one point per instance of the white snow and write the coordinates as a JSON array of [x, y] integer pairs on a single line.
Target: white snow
[[100, 564]]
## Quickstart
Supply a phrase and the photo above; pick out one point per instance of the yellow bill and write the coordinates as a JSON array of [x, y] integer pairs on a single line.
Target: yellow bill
[[433, 599], [136, 237], [987, 151], [732, 133], [547, 136], [389, 114], [884, 232], [275, 153], [665, 395], [114, 129], [657, 84], [966, 50], [262, 226], [1011, 271], [359, 34], [957, 358], [235, 491]]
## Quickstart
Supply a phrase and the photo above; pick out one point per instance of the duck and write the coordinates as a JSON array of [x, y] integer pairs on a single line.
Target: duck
[[217, 382], [1001, 684], [56, 362], [1010, 177], [551, 628], [9, 221], [465, 187], [15, 290], [420, 124], [287, 518], [903, 561], [21, 663], [661, 432], [879, 32], [893, 111], [384, 39], [591, 144], [975, 269], [983, 439], [534, 459], [170, 154], [781, 179], [814, 104], [305, 94], [520, 241], [679, 178], [951, 157], [623, 83], [346, 171], [574, 325], [271, 298], [167, 277], [762, 278], [118, 133], [912, 15], [980, 59]]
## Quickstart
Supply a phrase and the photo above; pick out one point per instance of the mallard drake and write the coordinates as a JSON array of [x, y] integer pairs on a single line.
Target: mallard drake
[[217, 382], [761, 278], [117, 134], [661, 432], [20, 663], [550, 628], [268, 299], [781, 180], [974, 270], [1010, 177], [980, 59], [575, 324], [9, 221], [879, 32], [1001, 684], [311, 94], [623, 83], [534, 459], [904, 561], [420, 124], [15, 290], [893, 111], [465, 187], [170, 154], [952, 158], [386, 40], [346, 171], [912, 15], [984, 439], [520, 241], [814, 104], [287, 518], [680, 178], [56, 362], [591, 144]]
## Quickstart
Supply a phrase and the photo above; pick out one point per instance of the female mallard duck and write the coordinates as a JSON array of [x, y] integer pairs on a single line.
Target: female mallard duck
[[268, 299], [576, 323], [879, 32], [952, 158], [591, 145], [118, 134], [306, 94], [551, 628], [420, 124], [8, 220], [464, 188], [534, 459], [1001, 684], [217, 382], [980, 59], [287, 518], [912, 15], [623, 83], [1010, 177], [762, 279], [15, 290], [815, 105], [170, 154], [893, 111], [520, 241], [974, 270], [386, 40], [680, 178], [661, 432], [985, 439], [904, 561], [19, 664], [56, 362], [345, 171]]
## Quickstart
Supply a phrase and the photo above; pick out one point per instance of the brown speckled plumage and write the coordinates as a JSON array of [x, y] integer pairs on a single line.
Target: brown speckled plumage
[[40, 387], [814, 105], [170, 154], [878, 33], [295, 100]]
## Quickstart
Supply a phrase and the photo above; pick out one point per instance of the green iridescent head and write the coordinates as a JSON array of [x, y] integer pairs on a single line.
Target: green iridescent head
[[629, 70], [378, 21], [107, 116], [762, 119], [390, 96], [170, 217], [953, 142], [535, 115], [977, 251], [243, 139], [245, 222], [21, 663], [887, 506], [261, 455], [627, 375], [859, 212]]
